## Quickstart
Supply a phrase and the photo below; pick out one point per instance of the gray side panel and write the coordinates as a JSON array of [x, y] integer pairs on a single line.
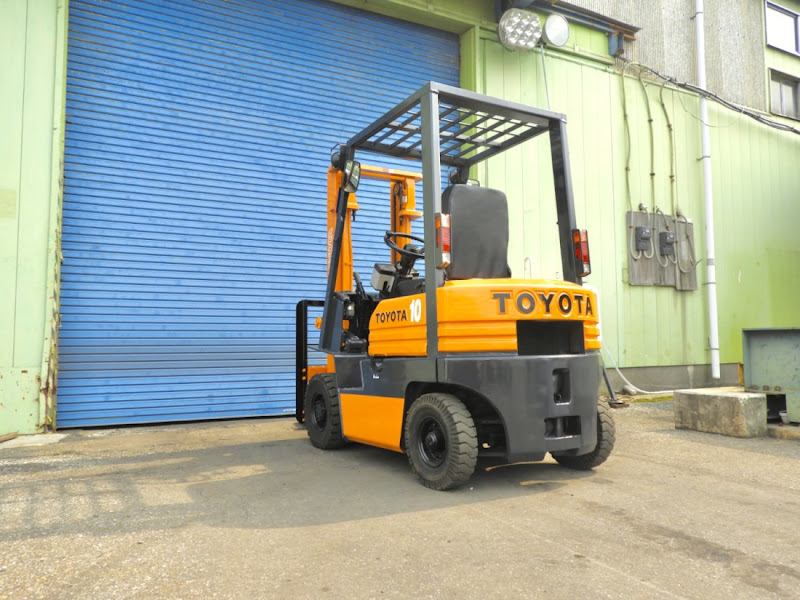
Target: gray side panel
[[348, 370], [389, 377], [521, 389]]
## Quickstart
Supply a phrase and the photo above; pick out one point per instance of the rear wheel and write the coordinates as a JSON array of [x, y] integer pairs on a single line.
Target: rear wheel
[[441, 441], [322, 412], [606, 435]]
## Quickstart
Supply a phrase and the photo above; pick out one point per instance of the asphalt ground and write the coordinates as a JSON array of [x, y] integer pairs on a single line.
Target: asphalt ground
[[249, 509]]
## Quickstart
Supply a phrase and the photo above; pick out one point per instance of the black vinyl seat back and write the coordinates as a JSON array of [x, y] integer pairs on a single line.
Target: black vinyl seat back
[[478, 232]]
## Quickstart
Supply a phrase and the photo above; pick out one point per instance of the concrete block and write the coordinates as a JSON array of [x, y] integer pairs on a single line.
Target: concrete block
[[784, 432], [727, 411]]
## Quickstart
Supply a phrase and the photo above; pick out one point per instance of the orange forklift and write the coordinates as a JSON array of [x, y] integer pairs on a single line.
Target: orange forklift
[[464, 360]]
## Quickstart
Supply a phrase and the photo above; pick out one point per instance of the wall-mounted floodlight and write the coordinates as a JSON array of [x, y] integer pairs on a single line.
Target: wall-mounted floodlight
[[556, 30], [519, 30]]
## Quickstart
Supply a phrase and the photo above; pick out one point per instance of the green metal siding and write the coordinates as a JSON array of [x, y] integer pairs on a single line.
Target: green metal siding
[[29, 43], [756, 183], [757, 178]]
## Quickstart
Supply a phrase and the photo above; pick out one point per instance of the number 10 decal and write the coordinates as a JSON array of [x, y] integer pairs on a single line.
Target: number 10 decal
[[416, 310]]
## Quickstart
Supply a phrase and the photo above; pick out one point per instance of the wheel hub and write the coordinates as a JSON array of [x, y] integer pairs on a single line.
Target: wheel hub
[[320, 412], [431, 440], [432, 443]]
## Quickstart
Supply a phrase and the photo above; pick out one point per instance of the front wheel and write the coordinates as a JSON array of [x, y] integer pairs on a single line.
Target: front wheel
[[441, 441], [322, 413], [606, 435]]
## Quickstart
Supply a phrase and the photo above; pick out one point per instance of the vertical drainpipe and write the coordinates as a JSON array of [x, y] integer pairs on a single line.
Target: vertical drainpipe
[[708, 198]]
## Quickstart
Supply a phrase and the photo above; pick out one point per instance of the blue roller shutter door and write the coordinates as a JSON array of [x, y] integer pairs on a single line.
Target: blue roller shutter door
[[198, 136]]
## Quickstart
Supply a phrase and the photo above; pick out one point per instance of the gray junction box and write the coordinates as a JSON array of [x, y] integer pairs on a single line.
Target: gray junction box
[[772, 365]]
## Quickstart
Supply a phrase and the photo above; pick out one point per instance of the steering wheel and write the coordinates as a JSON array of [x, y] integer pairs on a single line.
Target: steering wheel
[[389, 239]]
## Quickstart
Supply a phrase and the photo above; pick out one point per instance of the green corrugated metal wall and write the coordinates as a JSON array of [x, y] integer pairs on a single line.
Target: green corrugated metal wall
[[757, 177], [32, 35], [756, 190]]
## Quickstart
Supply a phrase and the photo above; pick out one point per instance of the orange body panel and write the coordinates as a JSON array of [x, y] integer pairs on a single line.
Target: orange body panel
[[480, 315], [315, 370], [373, 420], [397, 327]]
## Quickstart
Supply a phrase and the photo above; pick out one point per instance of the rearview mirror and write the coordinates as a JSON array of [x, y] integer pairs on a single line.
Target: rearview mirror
[[351, 176]]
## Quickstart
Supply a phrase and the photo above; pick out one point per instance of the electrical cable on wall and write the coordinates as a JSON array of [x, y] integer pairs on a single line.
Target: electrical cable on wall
[[627, 381], [686, 261], [656, 232], [719, 100], [608, 352], [652, 143], [671, 134], [635, 254], [682, 236], [628, 145], [668, 258], [544, 76], [693, 262]]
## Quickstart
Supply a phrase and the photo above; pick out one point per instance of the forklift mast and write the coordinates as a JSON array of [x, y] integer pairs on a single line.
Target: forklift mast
[[403, 212]]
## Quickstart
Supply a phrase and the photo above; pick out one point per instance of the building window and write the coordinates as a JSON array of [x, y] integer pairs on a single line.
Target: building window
[[783, 28], [785, 93]]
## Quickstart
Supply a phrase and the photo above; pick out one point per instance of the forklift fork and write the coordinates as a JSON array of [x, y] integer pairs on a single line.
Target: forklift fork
[[301, 354]]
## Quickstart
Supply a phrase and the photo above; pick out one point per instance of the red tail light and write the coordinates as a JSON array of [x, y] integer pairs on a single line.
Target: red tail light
[[580, 240], [443, 238]]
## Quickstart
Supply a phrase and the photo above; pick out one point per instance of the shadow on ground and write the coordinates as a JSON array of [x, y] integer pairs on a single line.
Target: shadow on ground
[[263, 485]]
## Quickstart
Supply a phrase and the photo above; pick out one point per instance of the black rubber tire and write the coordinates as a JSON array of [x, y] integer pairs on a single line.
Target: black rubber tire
[[606, 435], [323, 415], [446, 418]]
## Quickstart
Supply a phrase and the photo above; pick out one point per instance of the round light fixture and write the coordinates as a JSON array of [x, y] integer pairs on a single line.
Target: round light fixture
[[556, 30], [519, 30]]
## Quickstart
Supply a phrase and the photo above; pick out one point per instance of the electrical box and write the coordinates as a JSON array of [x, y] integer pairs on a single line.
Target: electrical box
[[771, 357], [664, 228], [644, 237], [666, 243], [641, 253]]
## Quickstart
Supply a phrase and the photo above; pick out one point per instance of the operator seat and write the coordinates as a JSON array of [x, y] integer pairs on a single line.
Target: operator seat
[[478, 232], [478, 236]]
